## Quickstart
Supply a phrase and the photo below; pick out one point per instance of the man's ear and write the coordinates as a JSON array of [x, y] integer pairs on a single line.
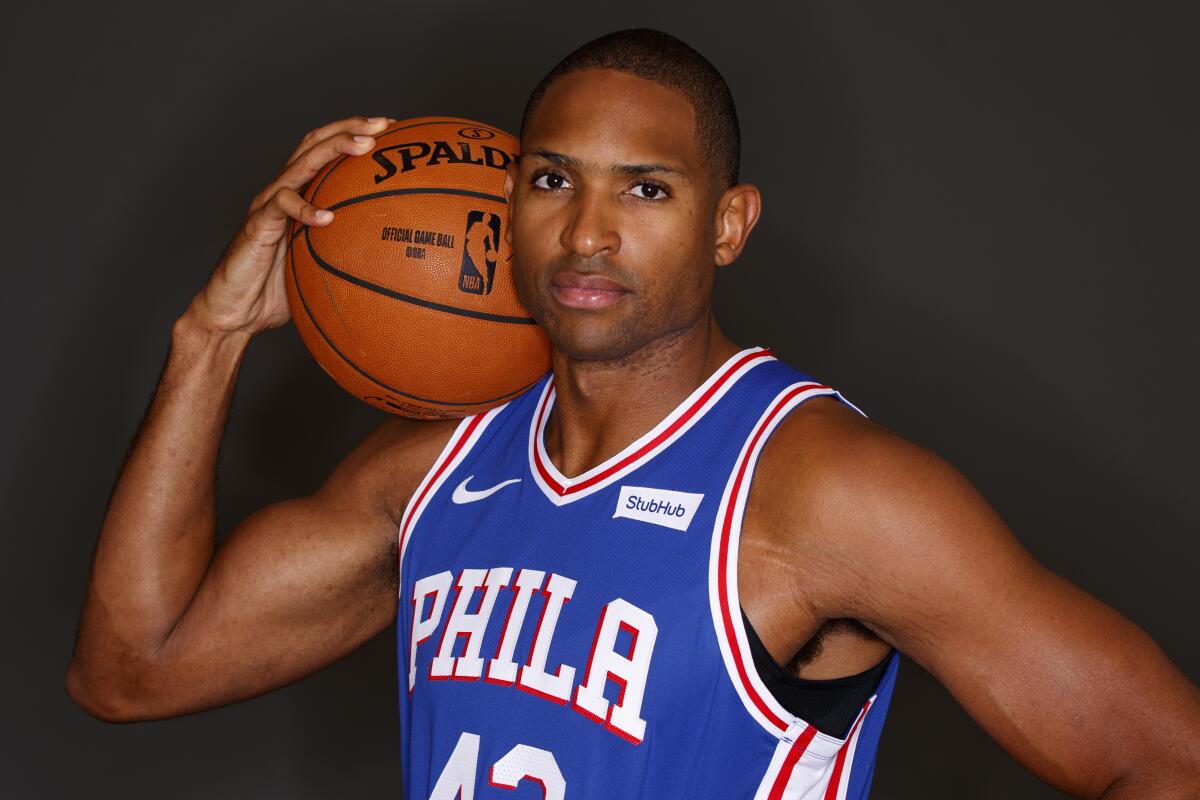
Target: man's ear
[[737, 214], [510, 182]]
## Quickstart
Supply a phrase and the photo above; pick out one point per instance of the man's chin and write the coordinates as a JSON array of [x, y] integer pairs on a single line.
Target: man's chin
[[591, 341]]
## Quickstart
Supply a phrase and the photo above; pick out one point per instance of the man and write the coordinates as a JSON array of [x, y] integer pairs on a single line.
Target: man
[[600, 581]]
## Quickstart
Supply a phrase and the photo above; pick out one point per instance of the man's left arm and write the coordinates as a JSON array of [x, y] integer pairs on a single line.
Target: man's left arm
[[1074, 691]]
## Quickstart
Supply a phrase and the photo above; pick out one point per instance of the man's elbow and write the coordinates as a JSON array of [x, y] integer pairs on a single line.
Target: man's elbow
[[105, 699]]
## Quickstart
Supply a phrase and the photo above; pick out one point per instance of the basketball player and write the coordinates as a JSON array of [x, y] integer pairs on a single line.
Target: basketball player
[[674, 568]]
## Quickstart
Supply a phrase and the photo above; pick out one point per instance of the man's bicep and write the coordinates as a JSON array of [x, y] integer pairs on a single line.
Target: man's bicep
[[291, 590], [1067, 685], [299, 584]]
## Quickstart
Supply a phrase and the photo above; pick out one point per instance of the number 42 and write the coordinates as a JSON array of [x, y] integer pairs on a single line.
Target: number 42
[[457, 781]]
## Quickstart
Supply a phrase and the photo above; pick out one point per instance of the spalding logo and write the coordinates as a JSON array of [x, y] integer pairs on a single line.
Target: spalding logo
[[430, 154]]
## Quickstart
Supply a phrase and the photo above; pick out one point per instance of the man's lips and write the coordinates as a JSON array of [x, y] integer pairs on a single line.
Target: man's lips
[[578, 290]]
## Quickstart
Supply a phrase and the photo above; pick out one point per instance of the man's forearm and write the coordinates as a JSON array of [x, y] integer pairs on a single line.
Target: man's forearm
[[157, 538]]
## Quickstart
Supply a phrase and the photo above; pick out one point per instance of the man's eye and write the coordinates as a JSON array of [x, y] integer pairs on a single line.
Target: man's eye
[[649, 191], [550, 180]]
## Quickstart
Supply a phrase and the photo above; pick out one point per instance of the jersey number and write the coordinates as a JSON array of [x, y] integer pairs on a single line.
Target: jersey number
[[522, 763]]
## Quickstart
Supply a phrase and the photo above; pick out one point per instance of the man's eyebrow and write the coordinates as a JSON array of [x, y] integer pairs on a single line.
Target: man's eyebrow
[[570, 162], [646, 169], [557, 158]]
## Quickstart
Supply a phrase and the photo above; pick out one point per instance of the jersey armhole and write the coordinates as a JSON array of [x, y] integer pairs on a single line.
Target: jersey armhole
[[466, 434], [724, 602], [831, 705]]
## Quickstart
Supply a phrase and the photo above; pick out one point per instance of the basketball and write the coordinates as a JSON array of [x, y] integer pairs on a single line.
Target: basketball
[[407, 298]]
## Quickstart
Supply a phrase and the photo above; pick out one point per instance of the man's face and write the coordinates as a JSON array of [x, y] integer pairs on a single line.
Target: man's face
[[612, 215]]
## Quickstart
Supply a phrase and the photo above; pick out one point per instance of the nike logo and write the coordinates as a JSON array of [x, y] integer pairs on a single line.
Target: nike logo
[[464, 495]]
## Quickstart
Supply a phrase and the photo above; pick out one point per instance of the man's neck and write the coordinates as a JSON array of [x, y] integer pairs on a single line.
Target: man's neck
[[601, 407]]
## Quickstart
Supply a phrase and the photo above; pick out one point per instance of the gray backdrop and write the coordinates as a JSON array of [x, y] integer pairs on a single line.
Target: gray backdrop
[[980, 223]]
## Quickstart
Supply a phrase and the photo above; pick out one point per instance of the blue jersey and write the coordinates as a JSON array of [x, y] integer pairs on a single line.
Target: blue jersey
[[581, 637]]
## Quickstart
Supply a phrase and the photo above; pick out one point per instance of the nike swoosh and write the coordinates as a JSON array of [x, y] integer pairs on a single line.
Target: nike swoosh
[[464, 495]]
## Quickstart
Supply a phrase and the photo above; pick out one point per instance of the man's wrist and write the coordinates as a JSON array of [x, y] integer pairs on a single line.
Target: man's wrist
[[191, 333]]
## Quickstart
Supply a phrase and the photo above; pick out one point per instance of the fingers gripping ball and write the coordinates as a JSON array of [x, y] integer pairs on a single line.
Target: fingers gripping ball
[[407, 299]]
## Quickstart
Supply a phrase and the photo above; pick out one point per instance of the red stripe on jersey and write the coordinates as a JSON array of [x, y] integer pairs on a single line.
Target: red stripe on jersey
[[839, 763], [642, 451], [723, 556], [789, 763]]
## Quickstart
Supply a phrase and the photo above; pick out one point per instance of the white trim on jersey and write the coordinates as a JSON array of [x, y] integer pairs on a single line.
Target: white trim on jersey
[[561, 490], [726, 608], [465, 435], [798, 772], [839, 778], [781, 772]]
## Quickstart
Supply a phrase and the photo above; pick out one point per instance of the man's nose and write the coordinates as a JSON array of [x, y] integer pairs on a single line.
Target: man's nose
[[591, 229]]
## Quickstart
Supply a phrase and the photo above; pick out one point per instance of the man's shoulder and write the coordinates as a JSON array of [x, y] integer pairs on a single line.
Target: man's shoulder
[[828, 472], [825, 439], [851, 503]]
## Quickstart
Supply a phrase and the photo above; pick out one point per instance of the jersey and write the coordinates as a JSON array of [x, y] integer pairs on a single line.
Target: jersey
[[581, 637]]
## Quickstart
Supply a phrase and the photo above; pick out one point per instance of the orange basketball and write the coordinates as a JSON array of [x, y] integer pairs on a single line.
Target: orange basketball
[[407, 299]]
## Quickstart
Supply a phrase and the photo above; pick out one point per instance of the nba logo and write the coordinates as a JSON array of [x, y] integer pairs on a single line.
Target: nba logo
[[481, 245]]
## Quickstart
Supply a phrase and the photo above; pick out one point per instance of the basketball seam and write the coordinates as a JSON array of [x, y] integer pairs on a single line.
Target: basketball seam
[[393, 192], [408, 298]]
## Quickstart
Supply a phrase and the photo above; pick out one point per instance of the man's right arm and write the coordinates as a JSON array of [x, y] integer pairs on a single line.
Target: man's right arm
[[172, 623]]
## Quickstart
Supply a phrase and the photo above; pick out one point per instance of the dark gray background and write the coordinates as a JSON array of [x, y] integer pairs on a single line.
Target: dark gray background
[[980, 223]]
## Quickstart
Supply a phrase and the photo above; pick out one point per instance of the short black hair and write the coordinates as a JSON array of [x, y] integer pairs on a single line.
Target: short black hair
[[664, 59]]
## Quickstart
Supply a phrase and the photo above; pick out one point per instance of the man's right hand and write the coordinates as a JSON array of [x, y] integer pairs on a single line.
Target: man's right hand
[[246, 291]]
